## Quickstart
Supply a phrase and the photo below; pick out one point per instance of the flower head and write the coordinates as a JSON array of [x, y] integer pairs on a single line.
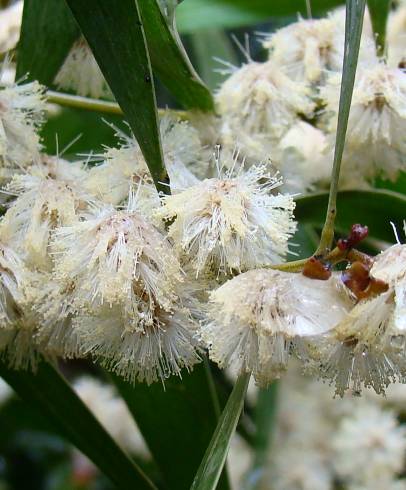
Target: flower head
[[21, 111], [81, 73], [258, 103], [231, 222], [255, 319], [10, 21], [377, 122]]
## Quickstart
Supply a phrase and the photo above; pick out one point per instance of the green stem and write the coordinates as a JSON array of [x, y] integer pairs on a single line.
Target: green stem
[[353, 29], [97, 105]]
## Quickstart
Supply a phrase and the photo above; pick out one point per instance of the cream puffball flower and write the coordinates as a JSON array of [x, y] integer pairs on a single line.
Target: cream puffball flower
[[81, 73], [369, 445], [396, 36], [306, 50], [112, 412], [42, 204], [301, 159], [231, 222], [375, 141], [255, 319], [359, 351], [149, 352], [21, 113], [10, 22], [258, 103], [124, 166], [116, 257]]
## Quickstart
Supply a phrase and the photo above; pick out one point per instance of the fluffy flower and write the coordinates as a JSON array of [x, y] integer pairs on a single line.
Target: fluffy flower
[[255, 319], [123, 167], [301, 157], [10, 22], [306, 50], [161, 348], [112, 413], [118, 258], [359, 352], [231, 222], [258, 103], [42, 204], [396, 36], [369, 446], [81, 73], [375, 139], [21, 111]]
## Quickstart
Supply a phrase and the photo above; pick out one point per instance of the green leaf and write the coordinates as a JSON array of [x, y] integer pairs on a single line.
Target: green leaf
[[194, 15], [207, 46], [379, 12], [115, 34], [214, 459], [374, 208], [170, 61], [47, 392], [48, 31], [176, 420]]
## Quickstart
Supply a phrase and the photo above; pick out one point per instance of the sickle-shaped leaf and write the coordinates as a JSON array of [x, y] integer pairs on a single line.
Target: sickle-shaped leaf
[[115, 34], [48, 31], [47, 392], [170, 61], [374, 208]]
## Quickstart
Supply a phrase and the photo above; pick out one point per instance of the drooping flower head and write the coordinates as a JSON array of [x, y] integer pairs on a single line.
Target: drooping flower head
[[231, 222], [257, 318]]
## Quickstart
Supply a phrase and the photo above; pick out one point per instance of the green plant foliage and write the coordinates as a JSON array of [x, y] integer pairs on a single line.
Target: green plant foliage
[[45, 23], [171, 62], [177, 421], [374, 208], [48, 393], [194, 15], [379, 11], [214, 459], [123, 58]]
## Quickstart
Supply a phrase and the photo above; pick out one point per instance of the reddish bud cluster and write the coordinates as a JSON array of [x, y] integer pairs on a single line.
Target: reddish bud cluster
[[358, 233]]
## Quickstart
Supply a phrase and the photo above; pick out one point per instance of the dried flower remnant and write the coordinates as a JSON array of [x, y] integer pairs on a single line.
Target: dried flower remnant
[[258, 103], [257, 318], [81, 73], [375, 139], [231, 222], [21, 114]]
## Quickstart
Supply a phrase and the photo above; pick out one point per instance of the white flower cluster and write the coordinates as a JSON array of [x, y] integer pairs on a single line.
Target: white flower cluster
[[286, 108], [94, 262], [353, 443]]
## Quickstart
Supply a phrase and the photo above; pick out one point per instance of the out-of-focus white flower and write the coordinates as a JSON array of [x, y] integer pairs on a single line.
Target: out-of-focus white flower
[[369, 446], [21, 111], [301, 157], [257, 318], [112, 412], [375, 141], [5, 392], [396, 36], [378, 484], [238, 460], [306, 50], [161, 348], [10, 25], [258, 103], [43, 203], [81, 73], [231, 222], [125, 166]]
